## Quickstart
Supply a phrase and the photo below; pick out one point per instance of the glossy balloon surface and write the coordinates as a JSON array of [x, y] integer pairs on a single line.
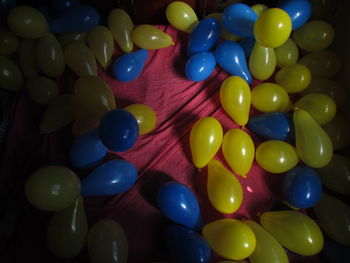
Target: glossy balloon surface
[[101, 43], [10, 75], [181, 16], [287, 54], [200, 66], [262, 62], [145, 116], [42, 89], [121, 25], [294, 78], [298, 10], [150, 37]]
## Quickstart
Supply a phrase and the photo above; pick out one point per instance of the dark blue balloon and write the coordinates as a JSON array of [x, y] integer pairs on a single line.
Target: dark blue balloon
[[298, 10], [110, 178], [302, 187], [186, 246], [247, 44], [130, 65], [80, 18], [333, 252], [118, 130], [200, 66], [60, 6], [239, 19], [87, 150], [204, 36], [230, 56], [178, 203]]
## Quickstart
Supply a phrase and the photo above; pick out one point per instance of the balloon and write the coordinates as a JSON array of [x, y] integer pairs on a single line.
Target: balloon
[[129, 66], [247, 44], [181, 16], [150, 37], [107, 242], [224, 190], [26, 55], [10, 75], [178, 203], [118, 130], [323, 9], [334, 218], [121, 25], [313, 144], [267, 247], [230, 238], [205, 140], [42, 90], [262, 62], [60, 6], [338, 131], [239, 19], [204, 36], [101, 43], [298, 10], [224, 33], [146, 118], [294, 78], [83, 124], [335, 253], [52, 188], [66, 38], [80, 59], [270, 97], [79, 18], [8, 42], [67, 230], [295, 231], [272, 28], [200, 66], [186, 246], [230, 56], [59, 113], [259, 8], [287, 54]]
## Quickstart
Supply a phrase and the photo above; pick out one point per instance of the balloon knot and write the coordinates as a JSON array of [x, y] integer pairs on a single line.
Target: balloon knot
[[295, 109], [172, 43]]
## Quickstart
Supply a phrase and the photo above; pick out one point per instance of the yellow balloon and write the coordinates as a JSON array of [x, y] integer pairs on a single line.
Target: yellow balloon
[[205, 140], [267, 247], [272, 28], [235, 97], [262, 62], [276, 156], [10, 75], [230, 238], [42, 89], [145, 116], [101, 43], [315, 35], [338, 131], [68, 37], [26, 56], [270, 97], [293, 78], [83, 124], [224, 190], [121, 25], [8, 42], [150, 37], [295, 231], [287, 54], [238, 149], [225, 34], [259, 8], [181, 16], [313, 145], [334, 218]]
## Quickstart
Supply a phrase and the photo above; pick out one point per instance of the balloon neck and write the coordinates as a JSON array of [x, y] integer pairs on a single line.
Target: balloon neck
[[243, 175], [295, 109], [173, 43]]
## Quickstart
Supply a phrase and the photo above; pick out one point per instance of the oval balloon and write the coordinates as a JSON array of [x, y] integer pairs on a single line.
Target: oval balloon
[[149, 37], [294, 78], [10, 75], [200, 66], [298, 10], [259, 8], [66, 38], [121, 25], [27, 58], [262, 62], [145, 116], [42, 89], [8, 42], [247, 44], [338, 131], [181, 16], [224, 33], [287, 54]]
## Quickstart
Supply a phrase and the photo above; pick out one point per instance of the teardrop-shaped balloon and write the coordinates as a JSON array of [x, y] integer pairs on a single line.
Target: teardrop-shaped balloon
[[259, 8], [60, 6], [149, 37], [323, 9], [247, 44], [145, 116], [42, 89], [294, 78], [334, 218], [67, 230], [10, 75], [200, 66], [295, 231], [8, 42], [224, 33], [235, 97], [181, 16], [66, 38], [230, 56], [121, 25], [224, 190], [179, 204], [129, 66], [287, 54], [26, 56], [205, 140], [338, 131], [262, 62], [313, 144], [298, 10]]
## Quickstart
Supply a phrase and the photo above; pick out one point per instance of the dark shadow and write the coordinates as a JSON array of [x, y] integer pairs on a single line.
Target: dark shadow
[[179, 63]]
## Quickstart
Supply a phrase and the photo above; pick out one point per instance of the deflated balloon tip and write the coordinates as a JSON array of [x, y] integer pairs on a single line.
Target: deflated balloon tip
[[173, 43]]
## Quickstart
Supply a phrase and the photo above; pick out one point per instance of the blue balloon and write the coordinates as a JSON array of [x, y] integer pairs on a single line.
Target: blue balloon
[[60, 6], [186, 246], [298, 10], [110, 178], [230, 56], [118, 130], [80, 18], [200, 66], [130, 65], [333, 252], [247, 44], [204, 36], [302, 187], [87, 150], [178, 203], [239, 19]]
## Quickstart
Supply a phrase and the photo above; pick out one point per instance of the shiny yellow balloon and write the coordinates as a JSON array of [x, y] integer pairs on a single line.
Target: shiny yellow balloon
[[230, 238], [272, 28], [295, 231], [235, 97], [52, 188], [67, 230], [267, 247], [338, 131], [262, 62], [238, 149], [259, 8], [313, 145], [287, 54], [42, 89], [68, 37], [150, 37], [8, 42], [293, 79], [225, 34], [101, 42], [224, 190], [10, 75], [181, 16], [121, 25], [145, 116], [205, 140], [27, 58]]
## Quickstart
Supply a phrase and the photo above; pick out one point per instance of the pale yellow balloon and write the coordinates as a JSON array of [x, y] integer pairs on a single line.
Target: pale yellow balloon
[[225, 34], [262, 62], [181, 16], [101, 42], [68, 37], [149, 37], [26, 55], [338, 131], [10, 75], [294, 78], [42, 89], [287, 54], [83, 124], [8, 42], [259, 8]]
